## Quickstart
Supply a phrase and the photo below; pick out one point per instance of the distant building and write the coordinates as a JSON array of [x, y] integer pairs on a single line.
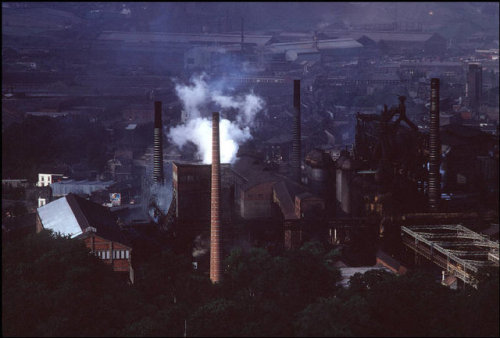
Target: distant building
[[83, 187], [474, 87], [469, 164], [400, 42], [95, 225], [137, 114], [47, 179], [15, 183]]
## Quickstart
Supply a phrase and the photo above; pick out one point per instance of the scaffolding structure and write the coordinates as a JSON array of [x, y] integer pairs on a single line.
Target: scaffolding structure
[[455, 248]]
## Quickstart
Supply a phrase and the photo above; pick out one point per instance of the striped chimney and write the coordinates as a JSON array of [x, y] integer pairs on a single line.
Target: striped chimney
[[158, 145], [434, 148], [296, 151], [215, 233]]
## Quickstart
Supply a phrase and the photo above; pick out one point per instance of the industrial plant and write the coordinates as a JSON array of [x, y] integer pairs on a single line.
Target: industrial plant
[[137, 133]]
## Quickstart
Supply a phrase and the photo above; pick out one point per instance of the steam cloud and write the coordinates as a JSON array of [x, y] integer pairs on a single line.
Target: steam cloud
[[198, 129]]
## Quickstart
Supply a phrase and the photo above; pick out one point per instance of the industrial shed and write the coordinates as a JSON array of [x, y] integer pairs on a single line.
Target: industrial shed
[[78, 218]]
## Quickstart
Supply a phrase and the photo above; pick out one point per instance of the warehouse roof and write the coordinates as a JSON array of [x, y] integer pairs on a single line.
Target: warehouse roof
[[183, 37], [392, 36], [58, 217], [79, 187], [73, 216], [308, 45]]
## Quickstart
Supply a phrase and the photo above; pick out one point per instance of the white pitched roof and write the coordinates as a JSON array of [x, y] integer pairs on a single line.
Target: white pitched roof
[[58, 217]]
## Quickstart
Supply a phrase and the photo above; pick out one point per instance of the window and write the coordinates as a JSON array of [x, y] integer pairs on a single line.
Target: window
[[126, 254], [42, 178], [122, 254], [108, 254]]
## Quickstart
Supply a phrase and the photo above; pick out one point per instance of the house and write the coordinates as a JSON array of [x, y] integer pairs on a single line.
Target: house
[[47, 179], [94, 224]]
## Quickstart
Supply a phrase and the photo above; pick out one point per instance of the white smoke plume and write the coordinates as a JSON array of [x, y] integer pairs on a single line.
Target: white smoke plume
[[198, 129], [193, 96]]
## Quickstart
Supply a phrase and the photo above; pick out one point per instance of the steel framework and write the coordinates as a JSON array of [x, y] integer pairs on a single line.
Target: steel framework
[[455, 248]]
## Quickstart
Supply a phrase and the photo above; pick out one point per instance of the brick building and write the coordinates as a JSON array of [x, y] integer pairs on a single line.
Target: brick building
[[94, 224]]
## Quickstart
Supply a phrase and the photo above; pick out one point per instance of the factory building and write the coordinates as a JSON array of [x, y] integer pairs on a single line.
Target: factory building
[[253, 188], [470, 163], [409, 43], [191, 192]]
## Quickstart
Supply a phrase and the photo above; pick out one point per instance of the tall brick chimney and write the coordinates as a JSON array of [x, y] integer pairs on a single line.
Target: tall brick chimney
[[434, 148], [296, 151], [215, 233], [158, 145]]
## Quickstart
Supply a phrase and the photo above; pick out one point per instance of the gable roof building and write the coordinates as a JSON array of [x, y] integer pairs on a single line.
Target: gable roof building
[[77, 217]]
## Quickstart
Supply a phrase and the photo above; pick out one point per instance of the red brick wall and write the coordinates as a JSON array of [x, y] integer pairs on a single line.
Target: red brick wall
[[256, 201], [98, 244]]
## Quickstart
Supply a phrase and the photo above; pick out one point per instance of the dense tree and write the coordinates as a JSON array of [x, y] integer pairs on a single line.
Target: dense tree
[[53, 286]]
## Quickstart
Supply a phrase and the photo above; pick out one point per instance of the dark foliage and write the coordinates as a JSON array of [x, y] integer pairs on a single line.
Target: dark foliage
[[52, 286]]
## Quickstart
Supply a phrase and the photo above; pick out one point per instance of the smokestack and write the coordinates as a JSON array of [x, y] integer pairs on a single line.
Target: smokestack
[[215, 233], [158, 145], [296, 151], [434, 148]]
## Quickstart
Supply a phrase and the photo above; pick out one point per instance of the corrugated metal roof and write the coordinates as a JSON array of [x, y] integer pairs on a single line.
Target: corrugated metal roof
[[58, 217], [183, 37], [431, 64], [308, 45], [72, 215], [391, 36], [79, 187]]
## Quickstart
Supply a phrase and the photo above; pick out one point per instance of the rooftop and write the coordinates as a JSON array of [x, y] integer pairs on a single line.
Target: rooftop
[[161, 37], [309, 45], [73, 216]]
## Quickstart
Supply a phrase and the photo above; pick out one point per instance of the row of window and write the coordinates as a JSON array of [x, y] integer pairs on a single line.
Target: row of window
[[117, 254]]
